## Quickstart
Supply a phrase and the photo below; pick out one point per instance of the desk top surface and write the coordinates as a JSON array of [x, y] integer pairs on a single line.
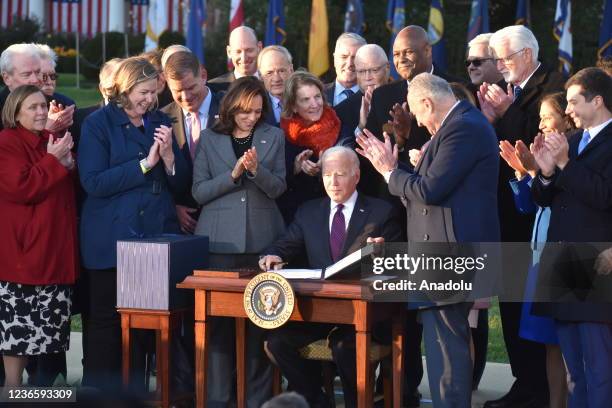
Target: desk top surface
[[343, 289]]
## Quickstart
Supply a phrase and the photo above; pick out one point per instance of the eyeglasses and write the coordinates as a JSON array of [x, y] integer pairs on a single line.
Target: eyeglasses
[[476, 61], [49, 77], [508, 59], [370, 71]]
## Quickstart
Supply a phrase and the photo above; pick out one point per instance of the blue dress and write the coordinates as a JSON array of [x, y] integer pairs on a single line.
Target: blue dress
[[532, 327]]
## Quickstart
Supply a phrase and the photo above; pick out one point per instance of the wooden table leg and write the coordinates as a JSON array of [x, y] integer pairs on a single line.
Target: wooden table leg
[[164, 358], [364, 385], [125, 348], [397, 357], [201, 347], [240, 362]]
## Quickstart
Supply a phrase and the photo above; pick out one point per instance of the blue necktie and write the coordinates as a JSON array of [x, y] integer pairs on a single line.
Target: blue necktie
[[347, 93], [517, 92], [586, 138]]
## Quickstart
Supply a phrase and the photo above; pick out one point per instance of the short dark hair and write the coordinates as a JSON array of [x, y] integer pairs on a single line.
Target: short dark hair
[[180, 64], [12, 106], [594, 82], [286, 400], [237, 99]]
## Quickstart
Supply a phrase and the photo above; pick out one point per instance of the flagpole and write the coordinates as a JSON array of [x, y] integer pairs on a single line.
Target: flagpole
[[78, 60], [127, 50], [103, 47]]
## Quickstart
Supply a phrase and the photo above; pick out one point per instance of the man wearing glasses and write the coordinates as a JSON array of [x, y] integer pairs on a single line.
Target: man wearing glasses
[[372, 69], [48, 61], [480, 63], [514, 112]]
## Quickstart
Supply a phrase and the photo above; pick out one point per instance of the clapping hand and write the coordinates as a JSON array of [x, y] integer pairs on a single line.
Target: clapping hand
[[497, 98], [401, 120], [302, 163], [163, 137], [485, 107], [60, 148], [382, 155], [238, 169], [510, 154], [559, 148], [543, 156], [249, 160], [59, 117], [366, 101]]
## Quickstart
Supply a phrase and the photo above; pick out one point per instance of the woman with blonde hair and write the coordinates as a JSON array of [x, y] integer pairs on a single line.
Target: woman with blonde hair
[[128, 162]]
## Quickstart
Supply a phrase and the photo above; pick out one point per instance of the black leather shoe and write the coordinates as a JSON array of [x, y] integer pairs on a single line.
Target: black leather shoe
[[516, 400]]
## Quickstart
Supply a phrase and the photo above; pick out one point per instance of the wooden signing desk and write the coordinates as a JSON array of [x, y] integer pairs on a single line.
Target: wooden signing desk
[[339, 302]]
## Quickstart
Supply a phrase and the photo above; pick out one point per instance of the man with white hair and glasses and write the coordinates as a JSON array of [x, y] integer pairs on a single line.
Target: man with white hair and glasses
[[514, 112]]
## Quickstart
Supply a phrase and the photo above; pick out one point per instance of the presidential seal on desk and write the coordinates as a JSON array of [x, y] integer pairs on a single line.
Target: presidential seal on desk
[[268, 300]]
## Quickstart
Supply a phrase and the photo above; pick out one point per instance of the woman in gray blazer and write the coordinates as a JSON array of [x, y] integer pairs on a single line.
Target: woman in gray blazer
[[238, 172]]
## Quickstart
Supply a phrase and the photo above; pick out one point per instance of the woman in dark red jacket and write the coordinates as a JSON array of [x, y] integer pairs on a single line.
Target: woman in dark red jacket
[[38, 255]]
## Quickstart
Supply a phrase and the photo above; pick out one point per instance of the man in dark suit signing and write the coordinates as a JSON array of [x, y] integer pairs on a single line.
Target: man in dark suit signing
[[194, 109], [242, 49], [575, 181], [450, 196], [325, 230]]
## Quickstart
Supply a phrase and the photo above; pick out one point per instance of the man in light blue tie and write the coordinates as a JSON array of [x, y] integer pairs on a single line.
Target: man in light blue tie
[[575, 181], [275, 66]]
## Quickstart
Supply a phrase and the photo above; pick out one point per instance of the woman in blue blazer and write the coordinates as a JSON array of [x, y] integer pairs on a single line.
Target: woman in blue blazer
[[128, 163], [539, 328]]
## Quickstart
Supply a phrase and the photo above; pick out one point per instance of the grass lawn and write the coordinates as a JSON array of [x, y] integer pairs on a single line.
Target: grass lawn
[[84, 96]]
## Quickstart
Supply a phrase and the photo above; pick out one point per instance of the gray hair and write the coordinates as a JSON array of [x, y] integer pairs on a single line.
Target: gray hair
[[343, 150], [354, 37], [278, 48], [46, 53], [6, 58], [372, 49], [171, 50], [483, 38], [518, 37], [430, 86]]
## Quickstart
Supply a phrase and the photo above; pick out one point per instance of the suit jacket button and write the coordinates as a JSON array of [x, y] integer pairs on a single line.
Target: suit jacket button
[[424, 211], [141, 213], [426, 237], [243, 199]]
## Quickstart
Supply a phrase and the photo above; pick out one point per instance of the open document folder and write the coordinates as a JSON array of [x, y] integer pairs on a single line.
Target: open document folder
[[348, 263]]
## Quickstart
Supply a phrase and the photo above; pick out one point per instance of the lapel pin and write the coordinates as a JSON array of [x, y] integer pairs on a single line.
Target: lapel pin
[[361, 210], [263, 141]]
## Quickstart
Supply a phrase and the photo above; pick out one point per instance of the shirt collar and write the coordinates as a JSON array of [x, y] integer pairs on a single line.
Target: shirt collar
[[338, 89], [448, 113], [349, 204], [596, 129], [275, 101], [524, 83]]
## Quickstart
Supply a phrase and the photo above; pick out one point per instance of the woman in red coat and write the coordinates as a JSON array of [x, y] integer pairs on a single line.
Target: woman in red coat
[[38, 255]]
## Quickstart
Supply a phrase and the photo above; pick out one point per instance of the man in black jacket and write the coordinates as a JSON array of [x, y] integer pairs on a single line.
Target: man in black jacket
[[575, 181], [514, 112]]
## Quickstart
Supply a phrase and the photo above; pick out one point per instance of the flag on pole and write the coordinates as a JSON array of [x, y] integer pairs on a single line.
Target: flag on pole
[[11, 10], [435, 31], [396, 19], [479, 19], [85, 17], [275, 24], [605, 33], [138, 16], [318, 51], [236, 19], [195, 28], [523, 14], [353, 17], [563, 33], [164, 15]]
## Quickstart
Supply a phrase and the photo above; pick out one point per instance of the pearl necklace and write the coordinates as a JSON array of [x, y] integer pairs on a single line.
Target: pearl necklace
[[244, 140]]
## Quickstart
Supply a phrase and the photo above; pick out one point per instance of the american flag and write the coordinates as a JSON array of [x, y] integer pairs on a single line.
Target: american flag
[[138, 16], [11, 10], [88, 17]]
